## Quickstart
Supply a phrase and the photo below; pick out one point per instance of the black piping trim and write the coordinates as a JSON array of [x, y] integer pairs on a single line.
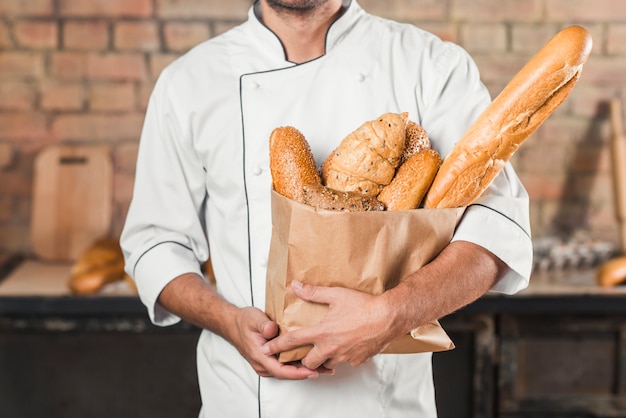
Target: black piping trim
[[502, 214], [345, 8], [156, 245]]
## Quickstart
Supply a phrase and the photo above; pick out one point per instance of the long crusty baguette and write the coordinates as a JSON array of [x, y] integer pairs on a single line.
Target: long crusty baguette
[[529, 98], [291, 163]]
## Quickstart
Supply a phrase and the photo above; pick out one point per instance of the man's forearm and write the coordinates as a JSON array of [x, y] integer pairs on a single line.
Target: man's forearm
[[460, 274], [197, 302]]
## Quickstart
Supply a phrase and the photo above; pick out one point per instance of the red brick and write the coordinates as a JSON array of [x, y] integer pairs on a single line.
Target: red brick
[[528, 38], [585, 10], [125, 156], [497, 11], [68, 65], [200, 9], [7, 154], [485, 37], [144, 90], [108, 8], [615, 39], [136, 36], [62, 96], [540, 187], [36, 34], [112, 97], [5, 37], [158, 62], [407, 10], [93, 127], [221, 27], [16, 182], [17, 95], [590, 101], [27, 8], [86, 35], [448, 31], [604, 71], [116, 67], [183, 36], [21, 65], [499, 69], [23, 125]]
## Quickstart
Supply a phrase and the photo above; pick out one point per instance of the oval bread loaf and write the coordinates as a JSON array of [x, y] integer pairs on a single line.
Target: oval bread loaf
[[411, 182], [367, 158], [292, 165]]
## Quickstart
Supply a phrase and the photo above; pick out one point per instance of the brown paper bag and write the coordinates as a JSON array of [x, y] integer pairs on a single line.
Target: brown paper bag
[[366, 251]]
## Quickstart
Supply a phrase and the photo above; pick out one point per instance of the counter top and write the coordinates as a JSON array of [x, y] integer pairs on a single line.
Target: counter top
[[35, 288]]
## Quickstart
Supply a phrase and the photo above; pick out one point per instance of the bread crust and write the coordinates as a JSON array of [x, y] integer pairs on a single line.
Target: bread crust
[[367, 158], [527, 100], [292, 165], [323, 197], [412, 181]]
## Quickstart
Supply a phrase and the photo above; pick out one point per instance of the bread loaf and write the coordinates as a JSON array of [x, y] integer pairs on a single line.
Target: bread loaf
[[100, 264], [416, 139], [292, 165], [612, 272], [323, 197], [411, 182], [366, 159], [527, 100]]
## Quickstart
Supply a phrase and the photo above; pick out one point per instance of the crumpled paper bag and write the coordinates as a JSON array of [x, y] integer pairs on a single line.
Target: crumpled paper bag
[[366, 251]]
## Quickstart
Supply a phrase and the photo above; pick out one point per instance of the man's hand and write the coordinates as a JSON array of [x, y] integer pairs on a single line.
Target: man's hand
[[247, 329], [356, 327], [253, 329]]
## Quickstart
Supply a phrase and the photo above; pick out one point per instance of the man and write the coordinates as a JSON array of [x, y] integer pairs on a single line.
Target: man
[[203, 182]]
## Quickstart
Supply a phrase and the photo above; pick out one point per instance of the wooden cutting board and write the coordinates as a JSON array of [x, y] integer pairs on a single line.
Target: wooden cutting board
[[72, 200]]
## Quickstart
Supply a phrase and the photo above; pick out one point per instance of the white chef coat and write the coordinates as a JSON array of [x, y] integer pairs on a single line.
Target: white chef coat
[[203, 182]]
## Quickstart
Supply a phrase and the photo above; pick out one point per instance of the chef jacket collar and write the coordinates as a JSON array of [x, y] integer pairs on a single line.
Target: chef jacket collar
[[336, 32]]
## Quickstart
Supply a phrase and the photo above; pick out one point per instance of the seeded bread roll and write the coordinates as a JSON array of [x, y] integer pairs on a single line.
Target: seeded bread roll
[[411, 182], [291, 163], [367, 158], [526, 101], [323, 197], [416, 139]]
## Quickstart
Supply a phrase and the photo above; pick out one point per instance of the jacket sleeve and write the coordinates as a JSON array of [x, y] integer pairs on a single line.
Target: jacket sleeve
[[499, 219], [163, 236]]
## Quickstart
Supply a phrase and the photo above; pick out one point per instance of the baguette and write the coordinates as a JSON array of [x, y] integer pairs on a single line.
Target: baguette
[[527, 100], [292, 165]]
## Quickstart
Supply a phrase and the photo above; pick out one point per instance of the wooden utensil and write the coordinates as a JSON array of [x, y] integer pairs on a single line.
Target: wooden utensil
[[72, 200]]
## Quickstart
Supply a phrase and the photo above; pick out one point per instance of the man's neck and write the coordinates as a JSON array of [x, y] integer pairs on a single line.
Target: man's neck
[[302, 32]]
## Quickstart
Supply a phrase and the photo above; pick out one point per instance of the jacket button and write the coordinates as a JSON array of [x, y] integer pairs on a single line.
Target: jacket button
[[257, 171], [359, 77]]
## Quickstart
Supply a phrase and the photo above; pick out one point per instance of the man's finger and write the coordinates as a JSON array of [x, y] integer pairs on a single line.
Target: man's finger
[[312, 293]]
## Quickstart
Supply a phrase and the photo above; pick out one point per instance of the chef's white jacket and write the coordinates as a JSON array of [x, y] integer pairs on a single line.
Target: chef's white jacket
[[203, 186]]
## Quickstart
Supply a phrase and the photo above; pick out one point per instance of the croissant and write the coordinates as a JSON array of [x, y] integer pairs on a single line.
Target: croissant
[[366, 160]]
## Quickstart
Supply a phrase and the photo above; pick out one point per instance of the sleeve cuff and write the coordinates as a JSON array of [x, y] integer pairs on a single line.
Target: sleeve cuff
[[506, 239], [155, 269]]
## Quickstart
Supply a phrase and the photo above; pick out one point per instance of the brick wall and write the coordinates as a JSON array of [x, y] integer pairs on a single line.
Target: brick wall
[[80, 72]]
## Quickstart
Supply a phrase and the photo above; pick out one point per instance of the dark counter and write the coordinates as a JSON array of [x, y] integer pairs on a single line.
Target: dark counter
[[558, 348]]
